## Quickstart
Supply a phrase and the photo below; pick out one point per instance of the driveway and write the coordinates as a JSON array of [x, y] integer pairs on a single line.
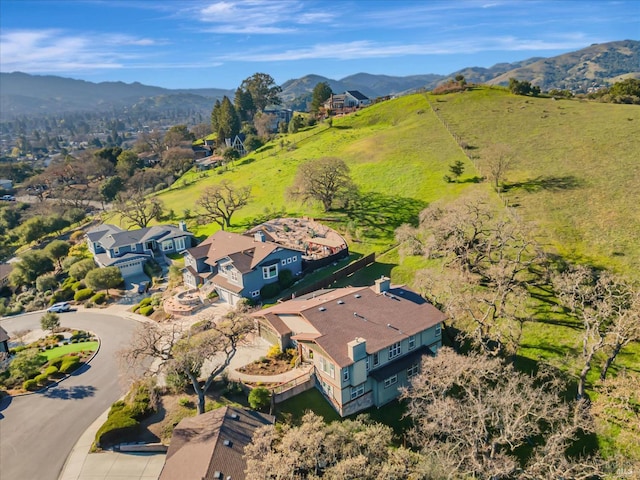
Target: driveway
[[38, 431]]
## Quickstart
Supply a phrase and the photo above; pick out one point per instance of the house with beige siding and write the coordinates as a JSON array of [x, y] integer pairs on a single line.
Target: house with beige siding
[[364, 342]]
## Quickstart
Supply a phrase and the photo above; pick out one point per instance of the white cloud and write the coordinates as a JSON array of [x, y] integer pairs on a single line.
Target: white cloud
[[368, 49], [259, 16], [54, 51]]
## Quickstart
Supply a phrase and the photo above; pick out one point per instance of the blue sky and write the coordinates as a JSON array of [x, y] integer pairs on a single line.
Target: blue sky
[[209, 43]]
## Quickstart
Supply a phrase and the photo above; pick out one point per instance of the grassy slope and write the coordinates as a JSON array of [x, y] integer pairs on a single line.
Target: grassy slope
[[577, 172], [397, 154]]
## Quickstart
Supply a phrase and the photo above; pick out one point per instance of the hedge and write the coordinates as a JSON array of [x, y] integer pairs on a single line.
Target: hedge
[[83, 294], [42, 379], [30, 385], [118, 426], [270, 290], [144, 302], [51, 370], [146, 311]]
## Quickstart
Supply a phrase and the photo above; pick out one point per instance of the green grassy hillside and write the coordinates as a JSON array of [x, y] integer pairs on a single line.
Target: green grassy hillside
[[577, 176]]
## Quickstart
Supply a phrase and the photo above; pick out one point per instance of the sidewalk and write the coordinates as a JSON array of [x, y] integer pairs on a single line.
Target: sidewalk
[[82, 465]]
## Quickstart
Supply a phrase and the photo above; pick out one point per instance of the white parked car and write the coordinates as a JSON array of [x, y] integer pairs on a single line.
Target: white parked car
[[59, 307]]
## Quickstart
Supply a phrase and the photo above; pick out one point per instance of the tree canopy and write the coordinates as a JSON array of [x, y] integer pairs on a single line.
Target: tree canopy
[[221, 201], [263, 90], [325, 180], [321, 93]]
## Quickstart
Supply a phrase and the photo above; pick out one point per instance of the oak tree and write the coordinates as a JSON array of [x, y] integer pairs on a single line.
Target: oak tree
[[221, 201]]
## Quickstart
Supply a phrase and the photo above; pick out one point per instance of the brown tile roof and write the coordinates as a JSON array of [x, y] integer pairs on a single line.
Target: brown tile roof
[[277, 324], [212, 442], [223, 244], [224, 283], [344, 314]]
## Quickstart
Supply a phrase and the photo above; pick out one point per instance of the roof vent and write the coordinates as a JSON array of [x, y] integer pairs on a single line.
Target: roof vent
[[217, 474], [340, 302], [227, 443], [322, 309], [235, 416], [357, 295]]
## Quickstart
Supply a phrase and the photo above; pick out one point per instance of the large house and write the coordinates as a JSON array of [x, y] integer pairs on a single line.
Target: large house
[[211, 446], [238, 266], [350, 99], [130, 249], [364, 342]]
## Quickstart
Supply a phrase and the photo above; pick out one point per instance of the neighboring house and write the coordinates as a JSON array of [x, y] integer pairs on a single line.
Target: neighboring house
[[211, 446], [238, 266], [5, 270], [4, 341], [350, 99], [364, 342], [278, 115], [130, 249], [237, 143]]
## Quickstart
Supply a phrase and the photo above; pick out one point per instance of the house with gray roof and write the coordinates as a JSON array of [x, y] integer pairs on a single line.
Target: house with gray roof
[[130, 249], [211, 446], [364, 342], [238, 266]]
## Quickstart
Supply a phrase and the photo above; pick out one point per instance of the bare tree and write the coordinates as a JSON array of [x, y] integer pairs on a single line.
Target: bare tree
[[325, 180], [201, 355], [221, 201], [352, 449], [475, 412], [499, 160], [608, 309], [138, 209]]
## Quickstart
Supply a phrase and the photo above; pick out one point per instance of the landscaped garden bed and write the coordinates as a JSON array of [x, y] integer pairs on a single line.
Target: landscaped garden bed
[[47, 360], [274, 363]]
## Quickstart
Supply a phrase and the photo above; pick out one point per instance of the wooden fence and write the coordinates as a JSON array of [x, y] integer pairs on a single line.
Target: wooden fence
[[337, 275]]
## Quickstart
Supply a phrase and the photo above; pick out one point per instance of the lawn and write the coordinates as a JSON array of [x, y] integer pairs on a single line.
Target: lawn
[[70, 348]]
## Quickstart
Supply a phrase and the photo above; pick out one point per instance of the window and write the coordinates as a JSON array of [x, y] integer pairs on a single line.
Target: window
[[133, 247], [412, 342], [413, 370], [255, 293], [327, 367], [367, 365], [294, 258], [167, 245], [357, 391], [438, 330], [284, 261], [288, 260], [345, 374], [376, 359], [270, 272], [180, 243], [392, 380], [116, 251], [233, 274], [394, 350]]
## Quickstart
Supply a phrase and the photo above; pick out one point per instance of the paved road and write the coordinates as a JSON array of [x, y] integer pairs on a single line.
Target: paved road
[[38, 431]]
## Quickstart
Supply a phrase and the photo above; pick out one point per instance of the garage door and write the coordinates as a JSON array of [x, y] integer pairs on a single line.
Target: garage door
[[224, 295], [131, 268]]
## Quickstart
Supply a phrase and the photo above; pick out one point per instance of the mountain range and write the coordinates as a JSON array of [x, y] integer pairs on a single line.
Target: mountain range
[[593, 66]]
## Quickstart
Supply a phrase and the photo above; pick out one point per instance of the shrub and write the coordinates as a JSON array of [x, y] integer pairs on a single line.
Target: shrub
[[285, 278], [75, 286], [270, 290], [83, 294], [144, 302], [118, 426], [30, 385], [62, 295], [185, 402], [146, 311], [274, 351], [69, 364], [99, 298], [259, 398], [51, 370], [42, 379]]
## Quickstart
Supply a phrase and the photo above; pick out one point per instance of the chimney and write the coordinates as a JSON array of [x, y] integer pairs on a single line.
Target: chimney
[[182, 225], [382, 285], [357, 349], [259, 236]]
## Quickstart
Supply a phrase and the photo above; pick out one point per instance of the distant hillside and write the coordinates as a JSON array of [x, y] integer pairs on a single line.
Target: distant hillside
[[600, 64], [597, 65], [24, 94]]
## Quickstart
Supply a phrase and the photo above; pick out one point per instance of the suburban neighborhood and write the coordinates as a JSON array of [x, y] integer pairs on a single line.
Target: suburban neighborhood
[[228, 275]]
